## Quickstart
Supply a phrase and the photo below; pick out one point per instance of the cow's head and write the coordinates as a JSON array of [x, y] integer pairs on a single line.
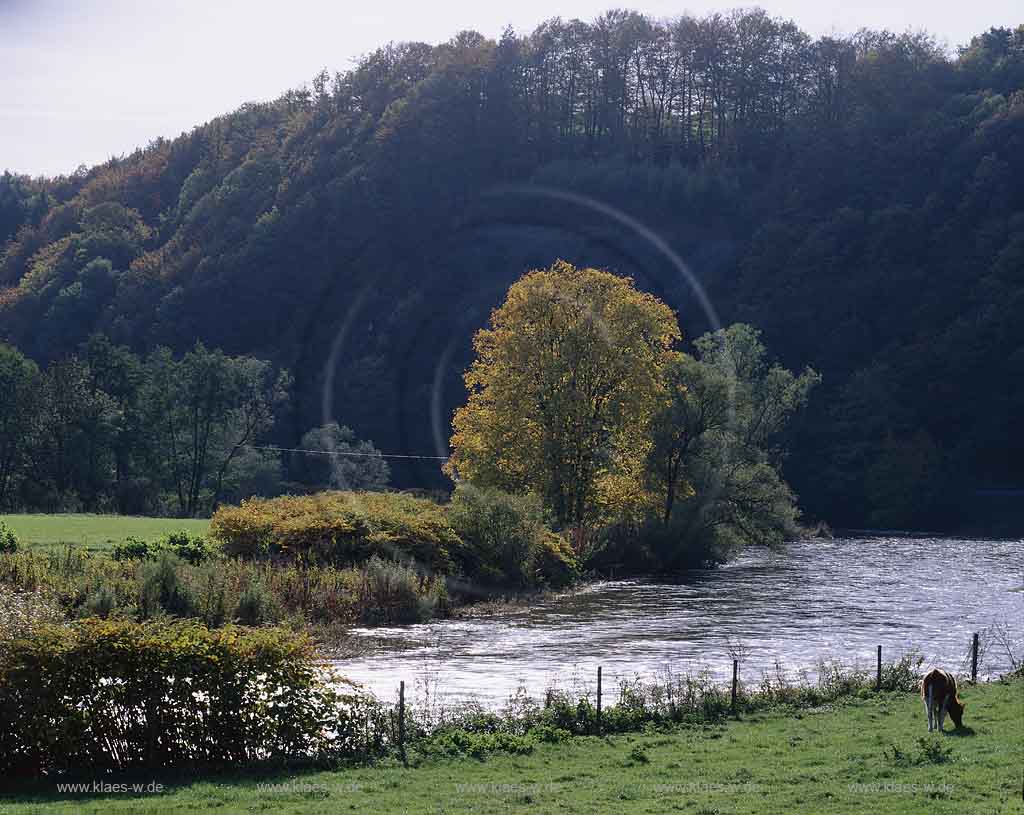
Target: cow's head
[[956, 712]]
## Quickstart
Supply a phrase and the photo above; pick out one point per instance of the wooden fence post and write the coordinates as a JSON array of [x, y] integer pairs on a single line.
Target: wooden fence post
[[974, 658], [401, 721], [735, 684], [878, 675], [599, 700]]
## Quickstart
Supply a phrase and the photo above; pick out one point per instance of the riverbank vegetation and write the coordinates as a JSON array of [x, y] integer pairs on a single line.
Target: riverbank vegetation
[[222, 590], [318, 562], [642, 454]]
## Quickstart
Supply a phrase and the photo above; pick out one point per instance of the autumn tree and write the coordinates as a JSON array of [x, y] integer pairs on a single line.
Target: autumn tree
[[561, 389]]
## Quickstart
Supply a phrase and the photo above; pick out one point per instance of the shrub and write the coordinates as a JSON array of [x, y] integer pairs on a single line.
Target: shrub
[[256, 605], [638, 756], [904, 674], [191, 548], [100, 603], [100, 695], [550, 735], [211, 596], [194, 549], [341, 528], [393, 592], [500, 532], [507, 540], [162, 589], [8, 540], [458, 742], [133, 549], [650, 545], [554, 560]]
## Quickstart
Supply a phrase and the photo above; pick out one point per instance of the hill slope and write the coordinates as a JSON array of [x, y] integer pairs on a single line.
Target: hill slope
[[859, 200]]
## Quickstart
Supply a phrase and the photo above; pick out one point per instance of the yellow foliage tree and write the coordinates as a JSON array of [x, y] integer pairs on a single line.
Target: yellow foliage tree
[[561, 391]]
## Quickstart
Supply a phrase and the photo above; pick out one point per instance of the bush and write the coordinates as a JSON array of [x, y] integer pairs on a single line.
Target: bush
[[458, 742], [554, 561], [133, 549], [99, 695], [163, 591], [507, 540], [500, 532], [256, 606], [211, 596], [100, 603], [395, 593], [192, 548], [340, 528], [8, 540]]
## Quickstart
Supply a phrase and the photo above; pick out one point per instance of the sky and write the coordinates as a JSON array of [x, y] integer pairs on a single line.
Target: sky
[[84, 80]]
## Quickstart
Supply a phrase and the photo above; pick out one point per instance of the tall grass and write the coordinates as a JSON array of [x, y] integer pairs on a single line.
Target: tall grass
[[394, 592], [222, 590]]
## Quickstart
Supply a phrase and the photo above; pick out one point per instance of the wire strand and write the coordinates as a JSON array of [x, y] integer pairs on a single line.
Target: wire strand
[[340, 453]]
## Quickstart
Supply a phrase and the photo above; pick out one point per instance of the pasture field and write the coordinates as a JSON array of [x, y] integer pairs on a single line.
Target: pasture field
[[96, 533], [868, 754]]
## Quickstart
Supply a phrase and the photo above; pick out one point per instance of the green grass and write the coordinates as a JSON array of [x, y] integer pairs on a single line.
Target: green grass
[[805, 763], [96, 533]]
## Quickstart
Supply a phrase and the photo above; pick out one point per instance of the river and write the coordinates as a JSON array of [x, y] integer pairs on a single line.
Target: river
[[814, 600]]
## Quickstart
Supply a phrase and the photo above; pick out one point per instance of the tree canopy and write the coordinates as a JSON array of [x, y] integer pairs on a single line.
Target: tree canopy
[[561, 388]]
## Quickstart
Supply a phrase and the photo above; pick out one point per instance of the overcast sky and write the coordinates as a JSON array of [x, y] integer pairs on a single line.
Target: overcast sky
[[82, 80]]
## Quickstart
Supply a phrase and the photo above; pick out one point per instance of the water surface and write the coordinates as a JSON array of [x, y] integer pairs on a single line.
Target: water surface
[[814, 600]]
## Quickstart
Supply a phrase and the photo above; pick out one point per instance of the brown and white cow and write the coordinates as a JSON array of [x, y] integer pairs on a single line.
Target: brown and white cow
[[938, 689]]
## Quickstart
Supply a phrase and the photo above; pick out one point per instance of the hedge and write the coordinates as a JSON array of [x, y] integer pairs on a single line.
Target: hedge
[[101, 695]]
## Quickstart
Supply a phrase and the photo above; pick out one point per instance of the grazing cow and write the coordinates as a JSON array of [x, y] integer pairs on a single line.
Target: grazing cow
[[938, 689]]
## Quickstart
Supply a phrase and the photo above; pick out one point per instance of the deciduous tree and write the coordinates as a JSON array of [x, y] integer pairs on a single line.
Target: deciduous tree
[[560, 391]]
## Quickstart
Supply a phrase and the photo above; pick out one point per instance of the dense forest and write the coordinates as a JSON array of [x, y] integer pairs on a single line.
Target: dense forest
[[858, 200]]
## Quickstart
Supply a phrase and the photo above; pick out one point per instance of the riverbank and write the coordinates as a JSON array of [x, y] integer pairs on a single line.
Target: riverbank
[[863, 754]]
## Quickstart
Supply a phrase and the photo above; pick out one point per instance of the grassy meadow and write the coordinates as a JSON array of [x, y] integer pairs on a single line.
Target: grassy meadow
[[96, 533], [869, 754]]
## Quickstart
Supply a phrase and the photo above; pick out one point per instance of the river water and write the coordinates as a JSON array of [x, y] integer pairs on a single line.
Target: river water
[[833, 599]]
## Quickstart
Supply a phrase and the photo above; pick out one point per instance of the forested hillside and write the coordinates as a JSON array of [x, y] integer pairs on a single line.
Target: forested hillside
[[860, 200]]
